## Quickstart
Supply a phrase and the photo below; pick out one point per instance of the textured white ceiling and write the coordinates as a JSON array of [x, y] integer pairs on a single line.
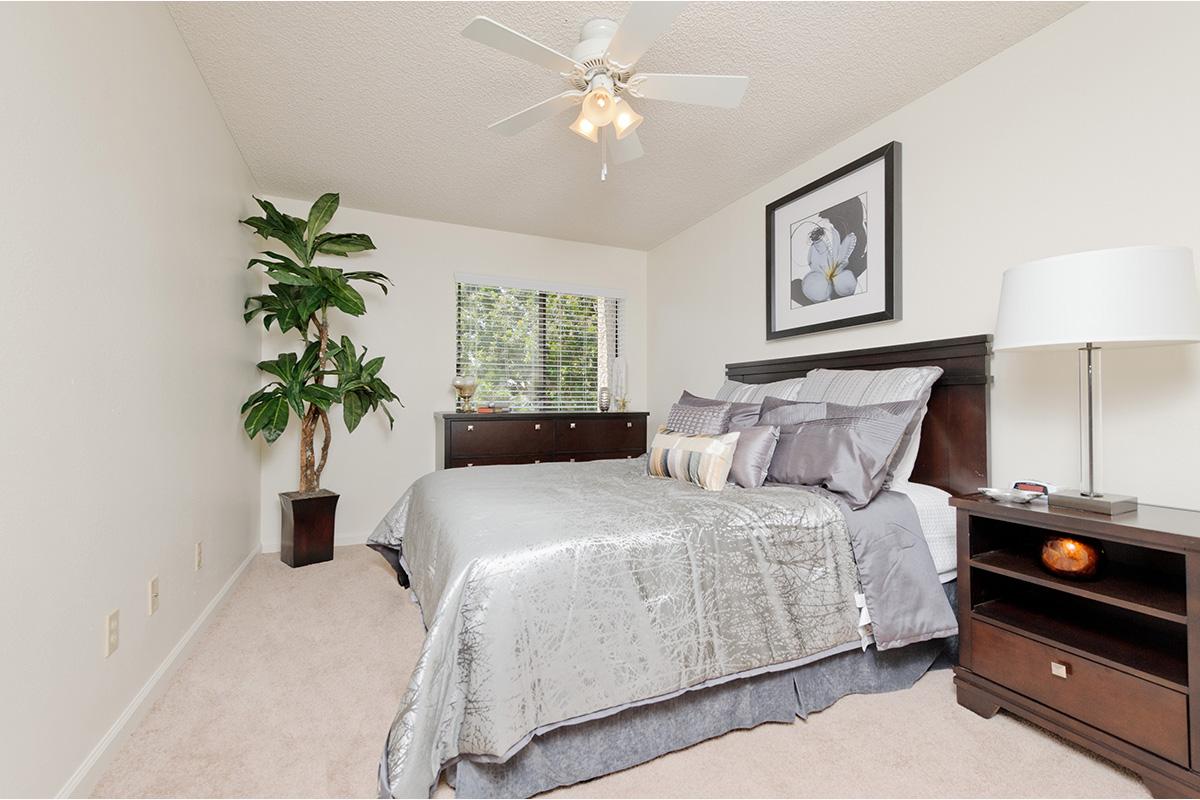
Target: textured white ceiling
[[388, 104]]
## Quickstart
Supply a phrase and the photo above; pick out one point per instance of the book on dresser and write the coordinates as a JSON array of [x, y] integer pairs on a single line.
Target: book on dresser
[[518, 437], [1111, 663]]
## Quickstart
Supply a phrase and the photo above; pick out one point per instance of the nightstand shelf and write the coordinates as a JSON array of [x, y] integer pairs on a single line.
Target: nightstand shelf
[[1112, 664], [1121, 585]]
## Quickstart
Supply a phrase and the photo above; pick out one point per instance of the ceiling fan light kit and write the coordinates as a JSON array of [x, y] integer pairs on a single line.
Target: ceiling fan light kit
[[602, 78]]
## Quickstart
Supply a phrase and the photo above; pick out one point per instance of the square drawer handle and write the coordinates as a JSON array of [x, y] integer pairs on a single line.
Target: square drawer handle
[[537, 426], [537, 461], [628, 424], [1059, 669], [572, 461], [470, 427], [572, 425], [469, 464]]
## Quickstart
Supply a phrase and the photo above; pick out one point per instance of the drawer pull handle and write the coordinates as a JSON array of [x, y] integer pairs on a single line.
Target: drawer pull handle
[[572, 461], [572, 425], [628, 424], [469, 464], [537, 461], [470, 427], [537, 426], [1059, 669]]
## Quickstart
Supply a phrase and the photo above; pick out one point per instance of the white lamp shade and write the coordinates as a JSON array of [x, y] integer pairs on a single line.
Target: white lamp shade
[[1122, 297]]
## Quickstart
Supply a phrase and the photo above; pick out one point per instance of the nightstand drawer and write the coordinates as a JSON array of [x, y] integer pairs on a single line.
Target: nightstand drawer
[[1150, 716], [501, 437], [596, 434]]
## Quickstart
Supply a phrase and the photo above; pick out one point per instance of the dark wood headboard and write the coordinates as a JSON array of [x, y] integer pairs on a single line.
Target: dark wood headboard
[[954, 435]]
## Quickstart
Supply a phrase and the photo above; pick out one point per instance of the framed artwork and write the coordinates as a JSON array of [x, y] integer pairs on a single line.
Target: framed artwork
[[833, 249]]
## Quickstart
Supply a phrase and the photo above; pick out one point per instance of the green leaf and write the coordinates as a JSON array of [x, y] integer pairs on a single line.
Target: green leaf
[[341, 244], [372, 367], [377, 278], [308, 361], [288, 278], [319, 395], [277, 416], [319, 215], [352, 410], [254, 398], [285, 228], [258, 416]]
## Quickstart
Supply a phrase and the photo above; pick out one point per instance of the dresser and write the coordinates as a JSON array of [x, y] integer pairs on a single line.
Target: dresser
[[1112, 664], [476, 440]]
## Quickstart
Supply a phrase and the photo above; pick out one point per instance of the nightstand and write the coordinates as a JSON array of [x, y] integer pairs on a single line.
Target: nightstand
[[1112, 664]]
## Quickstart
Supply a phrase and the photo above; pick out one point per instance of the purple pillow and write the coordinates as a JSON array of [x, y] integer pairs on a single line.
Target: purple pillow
[[741, 415]]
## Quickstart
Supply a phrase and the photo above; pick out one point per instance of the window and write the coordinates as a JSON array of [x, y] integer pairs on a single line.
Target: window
[[537, 349]]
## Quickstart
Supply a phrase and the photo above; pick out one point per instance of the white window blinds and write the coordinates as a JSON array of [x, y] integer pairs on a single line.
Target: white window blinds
[[536, 349]]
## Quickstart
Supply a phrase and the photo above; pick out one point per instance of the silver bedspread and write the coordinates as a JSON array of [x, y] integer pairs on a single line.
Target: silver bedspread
[[556, 593]]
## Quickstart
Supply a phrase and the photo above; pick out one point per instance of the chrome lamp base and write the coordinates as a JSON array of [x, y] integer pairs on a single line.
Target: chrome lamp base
[[1110, 504]]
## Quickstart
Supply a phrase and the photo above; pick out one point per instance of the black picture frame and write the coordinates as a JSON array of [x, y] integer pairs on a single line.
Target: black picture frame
[[890, 155]]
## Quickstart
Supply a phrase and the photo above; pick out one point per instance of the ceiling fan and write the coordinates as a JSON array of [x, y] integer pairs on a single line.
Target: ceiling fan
[[601, 74]]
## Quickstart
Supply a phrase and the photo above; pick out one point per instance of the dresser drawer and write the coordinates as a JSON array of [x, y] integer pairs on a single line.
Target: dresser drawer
[[489, 461], [598, 456], [601, 434], [501, 437], [1150, 716]]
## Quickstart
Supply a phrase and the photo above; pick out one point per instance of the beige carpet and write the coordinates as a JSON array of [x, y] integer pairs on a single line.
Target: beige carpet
[[290, 691]]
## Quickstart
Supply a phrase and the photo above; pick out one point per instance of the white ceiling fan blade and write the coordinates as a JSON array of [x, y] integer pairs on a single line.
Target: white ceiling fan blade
[[724, 91], [493, 34], [622, 150], [642, 25], [534, 114]]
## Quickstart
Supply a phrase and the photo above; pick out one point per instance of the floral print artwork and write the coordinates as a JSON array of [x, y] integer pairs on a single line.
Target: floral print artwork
[[829, 254]]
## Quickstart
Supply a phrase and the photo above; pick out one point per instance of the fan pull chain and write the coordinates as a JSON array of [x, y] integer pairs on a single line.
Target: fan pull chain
[[603, 156]]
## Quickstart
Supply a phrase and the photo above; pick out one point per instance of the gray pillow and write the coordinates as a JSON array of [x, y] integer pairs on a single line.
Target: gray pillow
[[752, 458], [741, 415], [702, 420], [861, 387], [777, 411], [846, 452]]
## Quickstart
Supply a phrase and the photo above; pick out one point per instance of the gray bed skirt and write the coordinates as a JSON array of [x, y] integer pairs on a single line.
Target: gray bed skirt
[[576, 753]]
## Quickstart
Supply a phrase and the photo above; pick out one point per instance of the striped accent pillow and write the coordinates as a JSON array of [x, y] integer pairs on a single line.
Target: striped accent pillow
[[736, 392], [702, 460]]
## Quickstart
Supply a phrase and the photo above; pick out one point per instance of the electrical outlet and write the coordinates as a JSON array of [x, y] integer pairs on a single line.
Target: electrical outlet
[[153, 595], [113, 630], [199, 555]]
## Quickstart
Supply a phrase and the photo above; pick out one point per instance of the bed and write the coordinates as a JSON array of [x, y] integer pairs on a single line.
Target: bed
[[583, 618]]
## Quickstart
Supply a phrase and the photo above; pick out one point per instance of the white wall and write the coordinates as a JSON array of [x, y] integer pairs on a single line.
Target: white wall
[[414, 328], [1080, 137], [124, 366]]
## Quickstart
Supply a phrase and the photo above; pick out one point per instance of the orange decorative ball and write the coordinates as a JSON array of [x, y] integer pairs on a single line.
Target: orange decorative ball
[[1072, 558]]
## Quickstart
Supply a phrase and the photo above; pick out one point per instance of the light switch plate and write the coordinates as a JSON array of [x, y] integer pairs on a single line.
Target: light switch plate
[[112, 637]]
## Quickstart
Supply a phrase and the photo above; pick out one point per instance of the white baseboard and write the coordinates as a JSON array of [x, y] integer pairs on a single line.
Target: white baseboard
[[90, 770]]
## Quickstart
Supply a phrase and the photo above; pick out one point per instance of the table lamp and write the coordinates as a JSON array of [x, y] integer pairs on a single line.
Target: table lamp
[[1125, 297]]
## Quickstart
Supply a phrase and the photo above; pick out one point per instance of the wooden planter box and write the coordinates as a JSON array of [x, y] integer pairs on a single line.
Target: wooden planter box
[[307, 529]]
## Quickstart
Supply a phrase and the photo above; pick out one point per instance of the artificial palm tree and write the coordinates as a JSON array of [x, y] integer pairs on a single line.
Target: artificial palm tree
[[300, 297]]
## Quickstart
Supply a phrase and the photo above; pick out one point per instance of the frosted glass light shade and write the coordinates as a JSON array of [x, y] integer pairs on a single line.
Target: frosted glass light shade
[[1122, 297]]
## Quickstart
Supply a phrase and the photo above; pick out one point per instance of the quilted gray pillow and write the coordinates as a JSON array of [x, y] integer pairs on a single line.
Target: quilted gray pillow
[[847, 451], [703, 420], [741, 415], [738, 392], [863, 387]]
